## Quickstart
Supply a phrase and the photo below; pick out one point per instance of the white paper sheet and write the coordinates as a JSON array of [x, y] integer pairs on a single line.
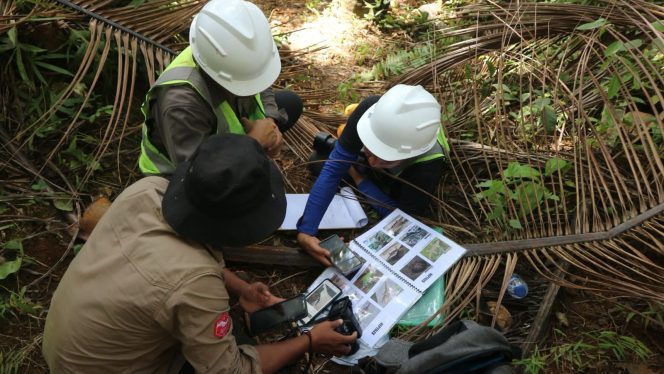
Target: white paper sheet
[[344, 211]]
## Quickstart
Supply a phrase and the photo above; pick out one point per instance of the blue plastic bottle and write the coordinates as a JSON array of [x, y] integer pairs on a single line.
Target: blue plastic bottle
[[517, 287]]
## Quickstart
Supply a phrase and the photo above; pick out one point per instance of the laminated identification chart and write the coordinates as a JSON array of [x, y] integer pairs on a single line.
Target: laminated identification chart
[[403, 258]]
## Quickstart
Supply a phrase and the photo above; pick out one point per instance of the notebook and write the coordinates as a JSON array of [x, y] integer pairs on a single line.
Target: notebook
[[404, 257]]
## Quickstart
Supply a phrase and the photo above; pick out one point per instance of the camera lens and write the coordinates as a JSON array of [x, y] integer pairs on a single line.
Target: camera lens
[[324, 142]]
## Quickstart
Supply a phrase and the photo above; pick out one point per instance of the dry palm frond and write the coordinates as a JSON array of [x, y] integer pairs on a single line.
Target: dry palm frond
[[601, 84], [602, 115], [128, 29], [138, 41]]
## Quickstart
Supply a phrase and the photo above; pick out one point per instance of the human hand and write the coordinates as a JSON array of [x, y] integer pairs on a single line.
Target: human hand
[[266, 133], [311, 245], [256, 296], [325, 340], [357, 177]]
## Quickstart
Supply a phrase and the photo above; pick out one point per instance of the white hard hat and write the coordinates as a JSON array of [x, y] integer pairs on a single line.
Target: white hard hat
[[404, 123], [231, 41]]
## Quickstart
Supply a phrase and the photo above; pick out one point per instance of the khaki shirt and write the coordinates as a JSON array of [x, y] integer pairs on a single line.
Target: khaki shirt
[[137, 295]]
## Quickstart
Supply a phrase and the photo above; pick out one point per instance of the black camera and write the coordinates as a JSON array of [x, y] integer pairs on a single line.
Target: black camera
[[343, 309], [323, 146], [324, 143]]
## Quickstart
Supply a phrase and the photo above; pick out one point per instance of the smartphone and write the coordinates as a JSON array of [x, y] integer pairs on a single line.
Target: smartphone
[[268, 318], [320, 298], [342, 257]]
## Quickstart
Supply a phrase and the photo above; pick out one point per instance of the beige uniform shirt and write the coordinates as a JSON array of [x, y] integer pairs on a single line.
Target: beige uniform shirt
[[137, 294]]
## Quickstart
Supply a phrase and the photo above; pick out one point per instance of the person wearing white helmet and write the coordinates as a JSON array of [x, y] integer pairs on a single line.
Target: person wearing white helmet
[[400, 135], [220, 83]]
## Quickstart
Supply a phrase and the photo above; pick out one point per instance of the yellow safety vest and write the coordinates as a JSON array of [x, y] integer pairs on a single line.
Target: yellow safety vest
[[183, 71]]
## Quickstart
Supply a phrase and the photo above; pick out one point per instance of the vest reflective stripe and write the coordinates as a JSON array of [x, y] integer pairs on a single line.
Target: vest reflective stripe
[[183, 70], [153, 161]]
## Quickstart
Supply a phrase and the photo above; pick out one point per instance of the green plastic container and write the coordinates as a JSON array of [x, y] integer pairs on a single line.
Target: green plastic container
[[426, 306]]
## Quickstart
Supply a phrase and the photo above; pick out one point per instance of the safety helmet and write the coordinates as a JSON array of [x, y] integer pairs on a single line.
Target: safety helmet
[[404, 123], [231, 41]]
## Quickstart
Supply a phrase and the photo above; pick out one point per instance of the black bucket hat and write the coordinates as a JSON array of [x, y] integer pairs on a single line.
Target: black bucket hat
[[227, 194]]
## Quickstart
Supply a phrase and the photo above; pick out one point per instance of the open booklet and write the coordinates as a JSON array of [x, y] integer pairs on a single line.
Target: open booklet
[[403, 257], [344, 212]]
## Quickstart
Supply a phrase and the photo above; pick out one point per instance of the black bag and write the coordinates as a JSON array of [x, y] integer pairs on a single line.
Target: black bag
[[462, 347]]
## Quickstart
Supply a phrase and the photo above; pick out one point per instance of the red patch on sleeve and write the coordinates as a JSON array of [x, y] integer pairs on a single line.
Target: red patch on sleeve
[[222, 325]]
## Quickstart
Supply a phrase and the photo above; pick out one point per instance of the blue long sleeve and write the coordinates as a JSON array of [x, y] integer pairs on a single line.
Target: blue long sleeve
[[381, 203], [324, 188]]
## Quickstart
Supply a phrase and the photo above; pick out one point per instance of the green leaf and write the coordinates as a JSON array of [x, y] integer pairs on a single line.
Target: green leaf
[[540, 102], [614, 48], [54, 68], [549, 119], [632, 118], [66, 205], [487, 184], [497, 213], [21, 67], [503, 86], [467, 72], [529, 195], [592, 25], [14, 245], [10, 267], [13, 37], [614, 87], [6, 47], [633, 44], [658, 25], [53, 56], [515, 224], [570, 184], [493, 188], [524, 97], [554, 164], [549, 195], [31, 48], [37, 73], [40, 185], [516, 170]]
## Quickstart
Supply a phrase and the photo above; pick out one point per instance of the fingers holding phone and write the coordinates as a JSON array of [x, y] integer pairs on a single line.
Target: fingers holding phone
[[311, 245], [257, 295], [277, 314], [326, 340], [341, 256]]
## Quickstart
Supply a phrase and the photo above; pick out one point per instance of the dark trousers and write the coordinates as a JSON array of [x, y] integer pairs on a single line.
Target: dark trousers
[[291, 103]]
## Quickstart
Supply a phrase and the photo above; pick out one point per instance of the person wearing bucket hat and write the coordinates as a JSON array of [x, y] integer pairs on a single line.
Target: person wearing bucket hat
[[219, 83], [398, 135], [149, 290]]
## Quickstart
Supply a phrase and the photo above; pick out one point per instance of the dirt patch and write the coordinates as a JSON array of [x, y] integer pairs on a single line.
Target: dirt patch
[[581, 317]]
